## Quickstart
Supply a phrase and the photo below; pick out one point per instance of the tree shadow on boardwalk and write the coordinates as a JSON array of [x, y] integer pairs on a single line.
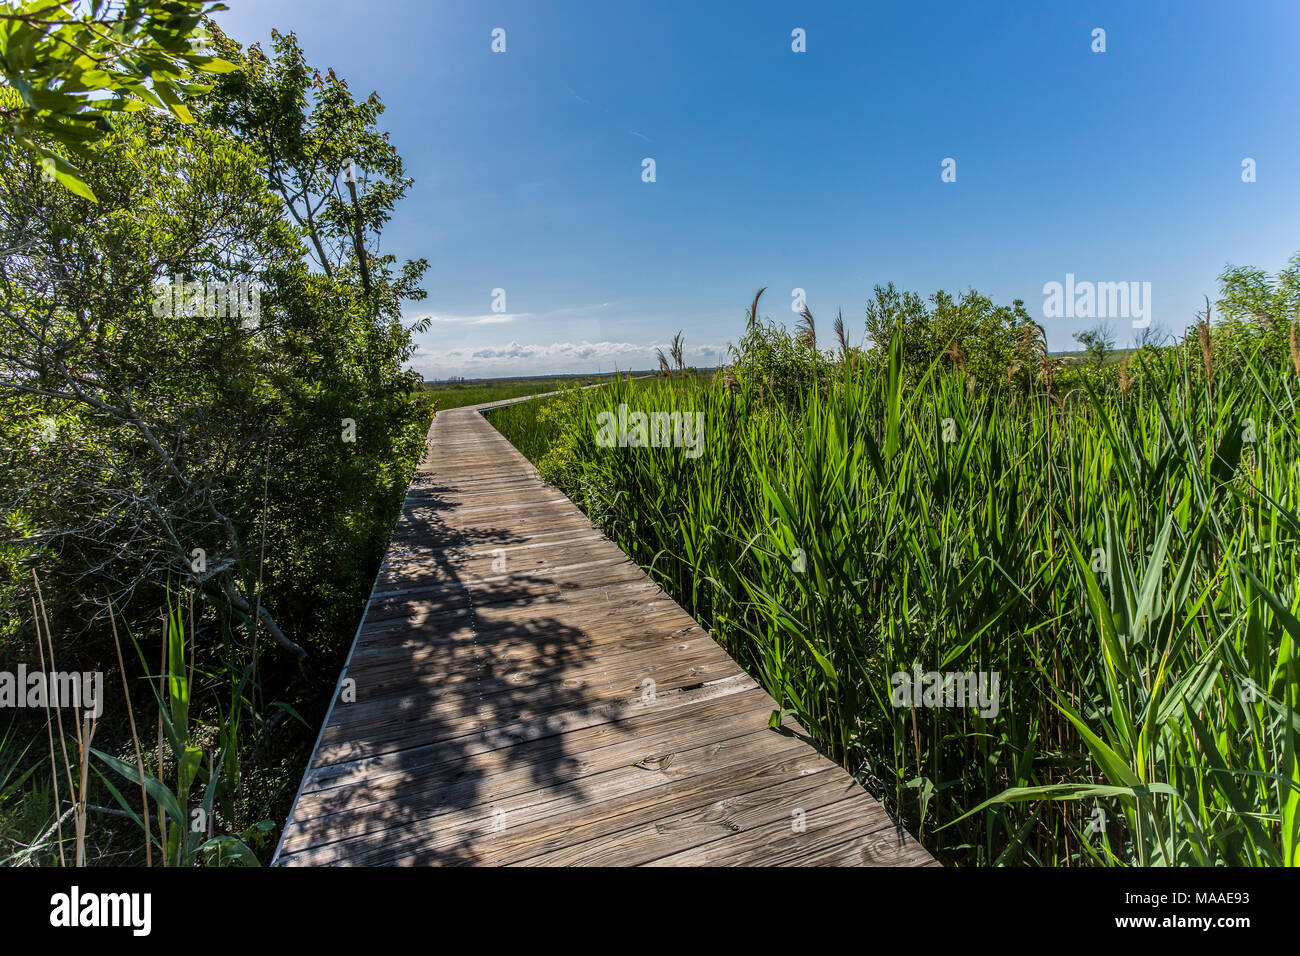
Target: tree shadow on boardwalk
[[459, 707]]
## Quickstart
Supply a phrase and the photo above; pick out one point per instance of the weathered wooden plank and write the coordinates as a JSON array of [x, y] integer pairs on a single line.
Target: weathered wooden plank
[[689, 828], [514, 829], [537, 748], [826, 817], [510, 776]]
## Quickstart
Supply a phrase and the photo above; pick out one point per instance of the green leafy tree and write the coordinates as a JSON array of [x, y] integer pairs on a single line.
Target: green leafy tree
[[341, 308], [1251, 295], [984, 339], [1098, 342], [68, 69], [1257, 311], [186, 430]]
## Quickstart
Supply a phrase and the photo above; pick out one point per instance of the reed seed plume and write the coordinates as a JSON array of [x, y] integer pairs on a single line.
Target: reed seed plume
[[1295, 345], [807, 328], [1207, 346], [1125, 380], [753, 309], [955, 353], [677, 350], [840, 334], [1036, 345], [1036, 337]]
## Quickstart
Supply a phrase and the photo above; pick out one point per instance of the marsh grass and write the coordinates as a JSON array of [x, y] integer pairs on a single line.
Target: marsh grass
[[1123, 555], [458, 394]]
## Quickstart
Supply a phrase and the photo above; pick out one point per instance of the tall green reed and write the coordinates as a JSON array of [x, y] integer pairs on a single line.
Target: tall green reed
[[1123, 557]]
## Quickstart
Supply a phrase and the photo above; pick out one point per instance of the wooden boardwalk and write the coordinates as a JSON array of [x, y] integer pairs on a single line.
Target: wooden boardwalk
[[519, 692]]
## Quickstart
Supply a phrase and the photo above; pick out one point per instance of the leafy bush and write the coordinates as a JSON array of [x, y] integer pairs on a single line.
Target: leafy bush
[[984, 339]]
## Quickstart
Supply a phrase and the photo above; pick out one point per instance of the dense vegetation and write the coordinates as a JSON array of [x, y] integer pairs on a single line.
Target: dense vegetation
[[1117, 543], [235, 461]]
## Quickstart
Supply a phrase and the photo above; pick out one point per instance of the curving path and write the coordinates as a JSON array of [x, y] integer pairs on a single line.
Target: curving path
[[519, 692]]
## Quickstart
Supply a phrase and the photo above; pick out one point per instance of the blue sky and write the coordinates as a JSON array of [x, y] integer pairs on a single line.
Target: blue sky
[[817, 170]]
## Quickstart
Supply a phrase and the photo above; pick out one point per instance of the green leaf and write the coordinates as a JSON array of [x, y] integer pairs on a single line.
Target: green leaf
[[66, 175], [1112, 764], [156, 789]]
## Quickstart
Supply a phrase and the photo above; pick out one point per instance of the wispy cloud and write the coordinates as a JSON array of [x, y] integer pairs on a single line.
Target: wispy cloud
[[497, 318], [603, 109], [490, 318]]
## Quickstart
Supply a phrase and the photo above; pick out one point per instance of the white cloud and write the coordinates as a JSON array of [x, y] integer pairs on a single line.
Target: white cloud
[[515, 358]]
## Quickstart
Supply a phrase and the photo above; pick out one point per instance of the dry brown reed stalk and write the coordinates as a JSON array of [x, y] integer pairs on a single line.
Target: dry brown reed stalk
[[78, 803], [49, 728], [677, 349], [189, 684], [85, 733], [135, 739], [664, 367], [162, 688]]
